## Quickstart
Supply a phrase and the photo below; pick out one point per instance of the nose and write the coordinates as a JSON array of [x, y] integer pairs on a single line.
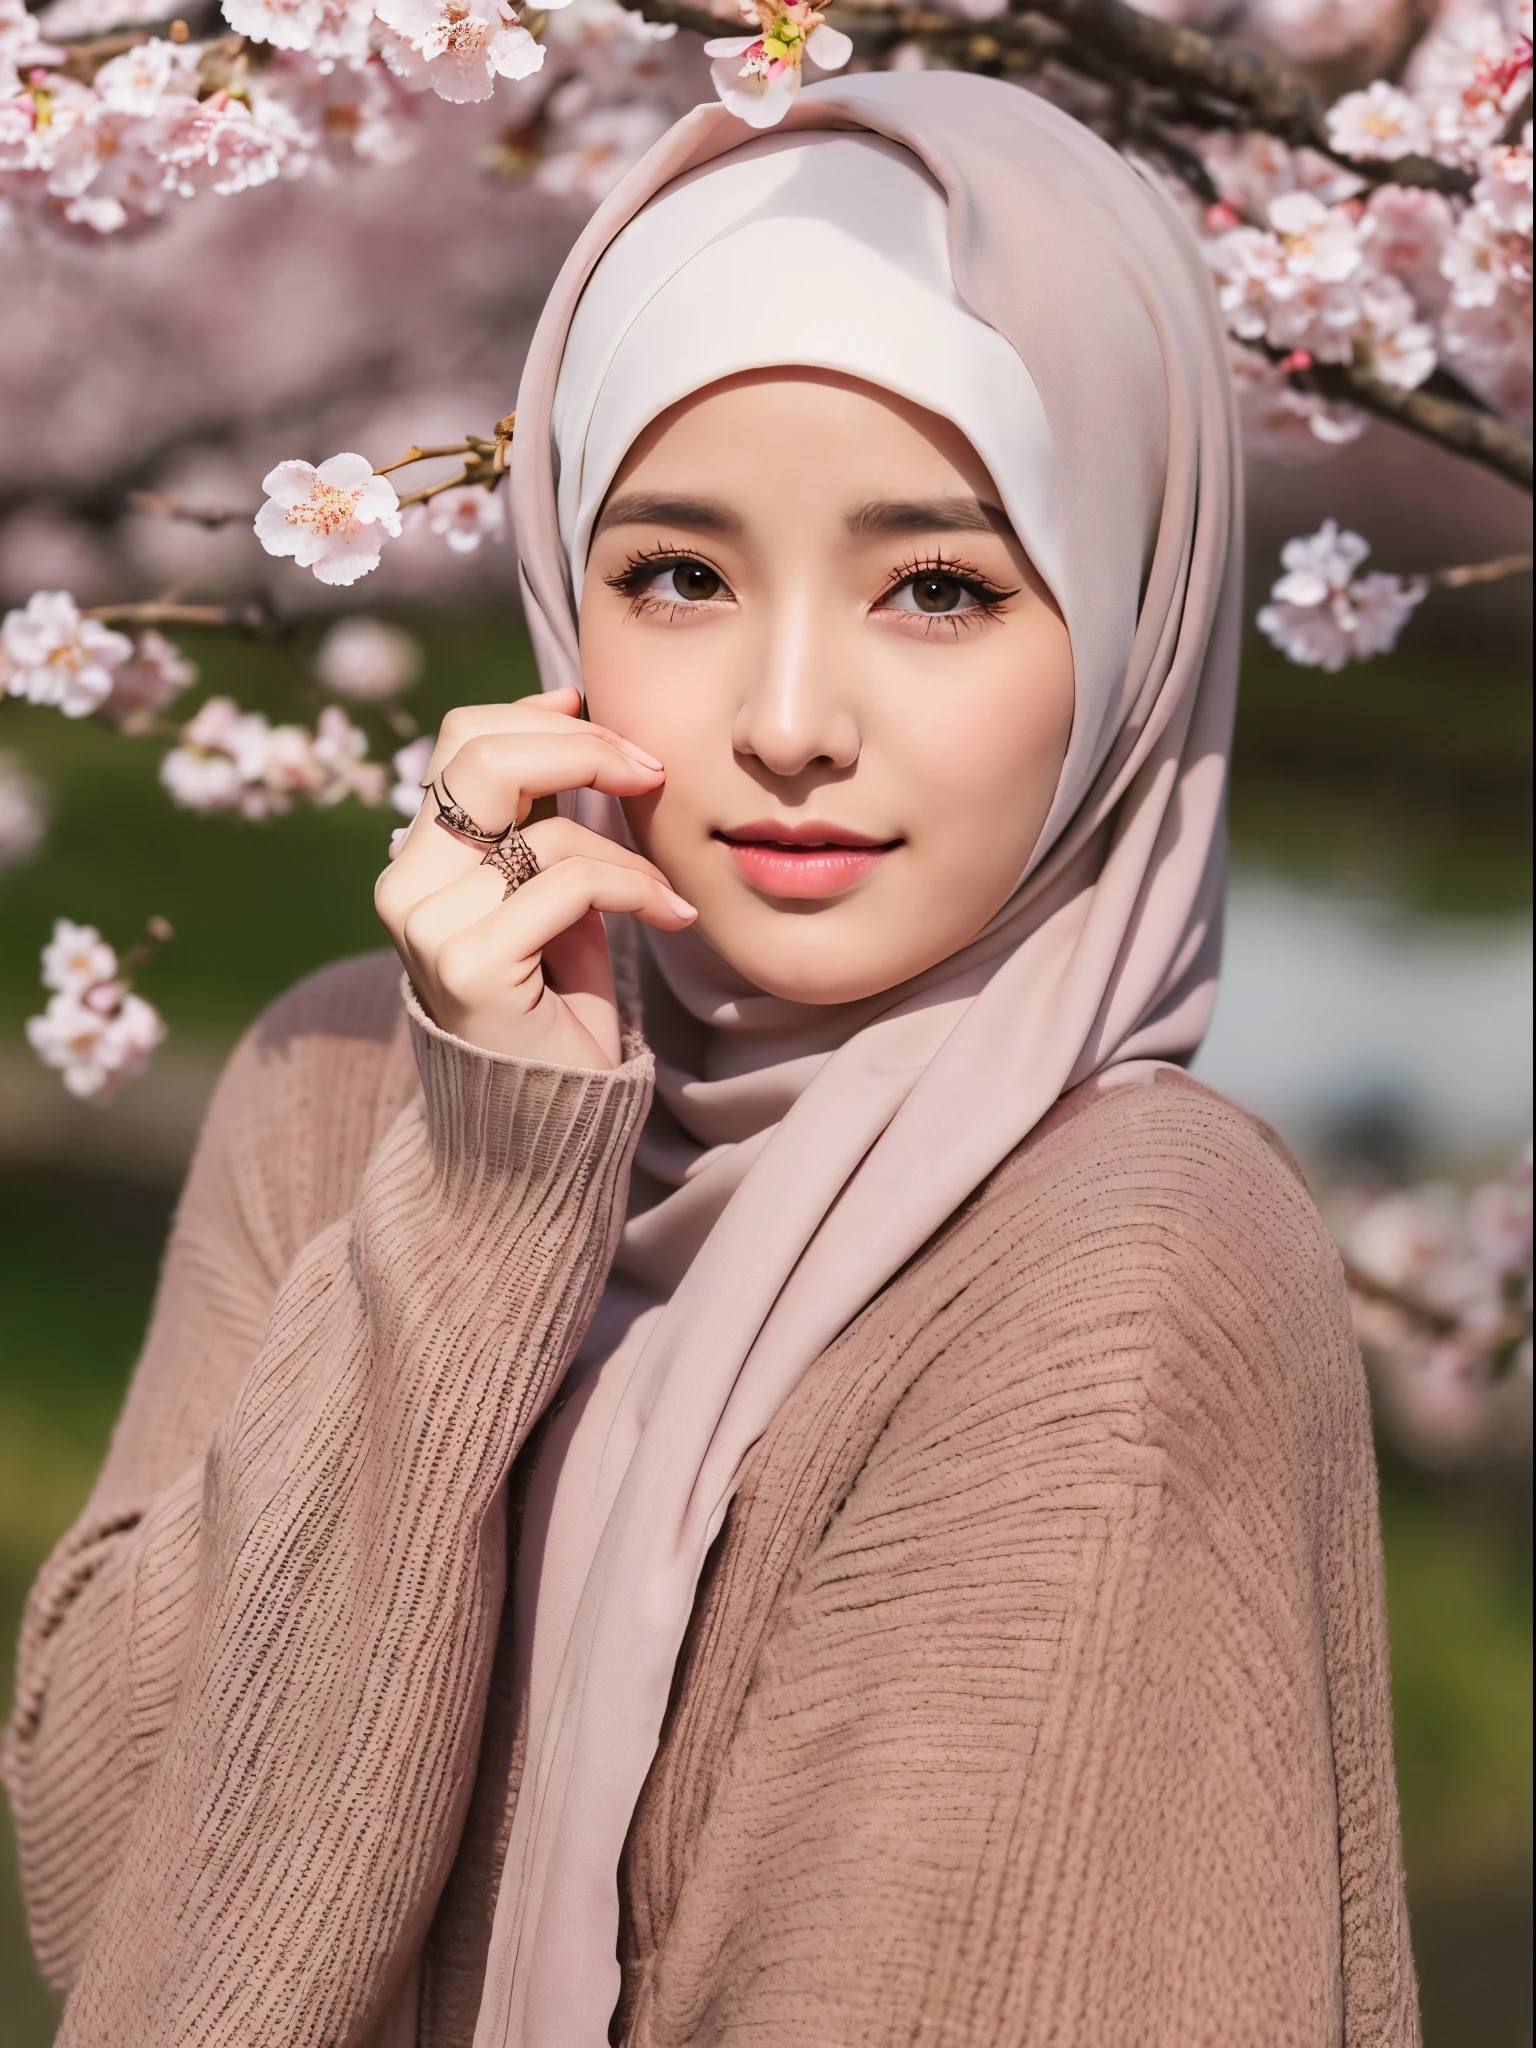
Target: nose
[[792, 715]]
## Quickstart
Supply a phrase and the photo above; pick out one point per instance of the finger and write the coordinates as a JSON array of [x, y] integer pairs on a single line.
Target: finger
[[496, 776], [498, 952], [554, 711], [557, 839]]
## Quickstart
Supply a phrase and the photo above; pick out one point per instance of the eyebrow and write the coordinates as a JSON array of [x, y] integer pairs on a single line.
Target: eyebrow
[[704, 515], [928, 515]]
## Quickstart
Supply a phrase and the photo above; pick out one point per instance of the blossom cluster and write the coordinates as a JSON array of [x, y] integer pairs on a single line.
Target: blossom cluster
[[1321, 614], [238, 761], [1442, 1295], [1310, 269], [94, 1030], [335, 518], [52, 653]]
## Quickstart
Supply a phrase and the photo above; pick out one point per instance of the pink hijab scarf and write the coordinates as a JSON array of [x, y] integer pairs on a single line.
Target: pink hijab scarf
[[797, 1158]]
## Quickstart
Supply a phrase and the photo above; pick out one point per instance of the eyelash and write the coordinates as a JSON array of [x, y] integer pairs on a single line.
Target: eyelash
[[634, 579], [990, 597]]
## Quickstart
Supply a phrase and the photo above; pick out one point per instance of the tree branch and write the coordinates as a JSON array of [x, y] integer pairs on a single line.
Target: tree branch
[[1449, 422], [1099, 38]]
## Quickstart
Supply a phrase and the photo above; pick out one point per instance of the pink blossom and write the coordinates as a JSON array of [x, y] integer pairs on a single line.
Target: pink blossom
[[51, 655], [465, 517], [410, 766], [598, 148], [759, 76], [1321, 615], [77, 958], [340, 753], [334, 519], [366, 660], [1381, 123], [1313, 31], [23, 813], [96, 1052], [457, 47], [156, 672]]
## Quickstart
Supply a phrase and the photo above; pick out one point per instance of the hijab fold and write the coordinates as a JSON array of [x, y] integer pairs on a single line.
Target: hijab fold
[[798, 1157]]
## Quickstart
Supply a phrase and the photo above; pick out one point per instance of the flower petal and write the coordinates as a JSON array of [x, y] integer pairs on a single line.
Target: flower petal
[[828, 48], [729, 46], [345, 472], [290, 483]]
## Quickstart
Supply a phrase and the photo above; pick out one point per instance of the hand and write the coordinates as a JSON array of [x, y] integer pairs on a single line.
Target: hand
[[530, 974]]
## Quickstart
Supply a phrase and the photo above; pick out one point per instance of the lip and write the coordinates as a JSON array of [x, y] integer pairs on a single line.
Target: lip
[[803, 858]]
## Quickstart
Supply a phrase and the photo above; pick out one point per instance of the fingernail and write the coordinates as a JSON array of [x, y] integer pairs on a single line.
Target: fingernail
[[680, 903], [638, 754]]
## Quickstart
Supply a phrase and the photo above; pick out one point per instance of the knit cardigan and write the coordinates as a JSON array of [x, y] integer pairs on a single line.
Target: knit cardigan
[[1035, 1692]]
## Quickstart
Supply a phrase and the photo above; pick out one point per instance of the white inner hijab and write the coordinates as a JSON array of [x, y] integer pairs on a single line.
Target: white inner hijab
[[825, 251]]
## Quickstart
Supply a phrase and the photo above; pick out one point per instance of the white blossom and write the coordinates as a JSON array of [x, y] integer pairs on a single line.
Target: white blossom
[[368, 661], [234, 760], [759, 76], [457, 47], [156, 672], [77, 958], [96, 1048], [1382, 122], [94, 1029], [1322, 615], [23, 813], [340, 752], [410, 766], [333, 520], [51, 655], [464, 517]]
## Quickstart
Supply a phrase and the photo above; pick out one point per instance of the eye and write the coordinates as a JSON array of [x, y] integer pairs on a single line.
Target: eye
[[934, 591], [695, 582], [661, 581]]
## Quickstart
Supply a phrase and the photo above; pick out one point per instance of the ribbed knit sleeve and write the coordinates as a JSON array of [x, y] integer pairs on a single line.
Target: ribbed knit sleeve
[[252, 1686]]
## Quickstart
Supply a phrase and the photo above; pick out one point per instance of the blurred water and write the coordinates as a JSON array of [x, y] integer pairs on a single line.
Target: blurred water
[[1336, 1014]]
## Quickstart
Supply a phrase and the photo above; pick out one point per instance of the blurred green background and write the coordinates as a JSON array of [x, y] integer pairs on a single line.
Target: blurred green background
[[1410, 777]]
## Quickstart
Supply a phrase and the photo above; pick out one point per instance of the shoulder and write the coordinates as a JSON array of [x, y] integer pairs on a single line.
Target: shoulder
[[306, 1095], [1160, 1230]]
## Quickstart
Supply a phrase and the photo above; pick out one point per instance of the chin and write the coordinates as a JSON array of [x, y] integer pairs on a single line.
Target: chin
[[824, 974]]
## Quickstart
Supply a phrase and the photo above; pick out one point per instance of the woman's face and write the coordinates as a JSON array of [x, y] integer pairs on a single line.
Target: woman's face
[[804, 598]]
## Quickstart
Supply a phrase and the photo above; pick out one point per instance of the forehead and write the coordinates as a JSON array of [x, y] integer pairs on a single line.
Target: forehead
[[765, 430]]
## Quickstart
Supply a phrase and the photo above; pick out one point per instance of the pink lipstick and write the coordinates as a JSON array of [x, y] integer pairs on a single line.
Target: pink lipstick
[[806, 858]]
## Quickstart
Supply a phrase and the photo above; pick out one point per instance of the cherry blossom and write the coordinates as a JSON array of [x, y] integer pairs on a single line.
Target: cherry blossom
[[94, 1030], [1382, 122], [156, 672], [368, 661], [465, 517], [1321, 615], [1442, 1298], [50, 654], [340, 752], [234, 760], [758, 77], [1308, 284], [23, 813], [410, 766], [76, 958], [333, 520], [457, 47], [96, 1051]]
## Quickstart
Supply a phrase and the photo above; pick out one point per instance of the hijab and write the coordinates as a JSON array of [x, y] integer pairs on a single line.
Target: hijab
[[965, 244]]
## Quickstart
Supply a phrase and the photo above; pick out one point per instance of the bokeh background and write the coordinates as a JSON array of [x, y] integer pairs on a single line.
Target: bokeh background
[[1377, 1003]]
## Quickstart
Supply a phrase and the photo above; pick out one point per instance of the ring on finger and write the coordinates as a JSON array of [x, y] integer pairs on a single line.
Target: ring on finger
[[513, 859], [455, 819]]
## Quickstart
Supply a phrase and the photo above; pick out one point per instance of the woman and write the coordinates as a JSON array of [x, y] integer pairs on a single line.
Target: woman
[[916, 1577]]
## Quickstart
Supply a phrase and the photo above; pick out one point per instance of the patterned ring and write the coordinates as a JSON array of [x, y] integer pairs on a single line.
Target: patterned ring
[[455, 819], [513, 858]]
